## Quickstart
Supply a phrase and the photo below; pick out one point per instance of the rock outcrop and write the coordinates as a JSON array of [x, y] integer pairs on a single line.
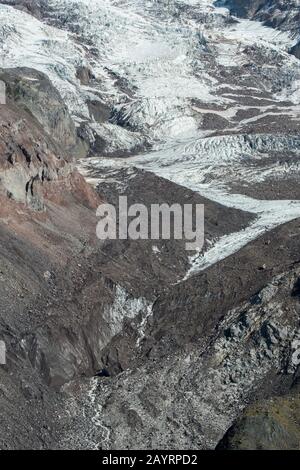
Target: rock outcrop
[[32, 91], [184, 346], [296, 50], [205, 353], [282, 14], [64, 294], [268, 425], [33, 7], [47, 223], [29, 164]]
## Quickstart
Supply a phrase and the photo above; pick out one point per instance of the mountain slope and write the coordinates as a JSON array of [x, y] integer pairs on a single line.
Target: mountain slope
[[177, 102]]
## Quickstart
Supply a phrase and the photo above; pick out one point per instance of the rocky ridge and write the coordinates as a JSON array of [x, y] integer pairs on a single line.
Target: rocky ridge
[[186, 353], [64, 294]]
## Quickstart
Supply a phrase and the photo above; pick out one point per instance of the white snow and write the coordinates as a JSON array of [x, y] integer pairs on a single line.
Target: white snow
[[191, 165], [124, 306], [152, 47], [151, 64], [29, 43], [272, 215]]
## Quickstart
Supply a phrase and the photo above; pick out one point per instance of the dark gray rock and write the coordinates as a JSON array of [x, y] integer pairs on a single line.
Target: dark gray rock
[[271, 425], [281, 14], [296, 50], [33, 91], [33, 7]]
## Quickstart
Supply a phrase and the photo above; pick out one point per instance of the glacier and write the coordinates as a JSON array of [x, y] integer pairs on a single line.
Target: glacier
[[162, 68]]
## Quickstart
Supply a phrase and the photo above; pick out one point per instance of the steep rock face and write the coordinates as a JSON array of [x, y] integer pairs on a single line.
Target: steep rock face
[[296, 50], [33, 91], [28, 161], [282, 14], [38, 138], [39, 277], [48, 242]]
